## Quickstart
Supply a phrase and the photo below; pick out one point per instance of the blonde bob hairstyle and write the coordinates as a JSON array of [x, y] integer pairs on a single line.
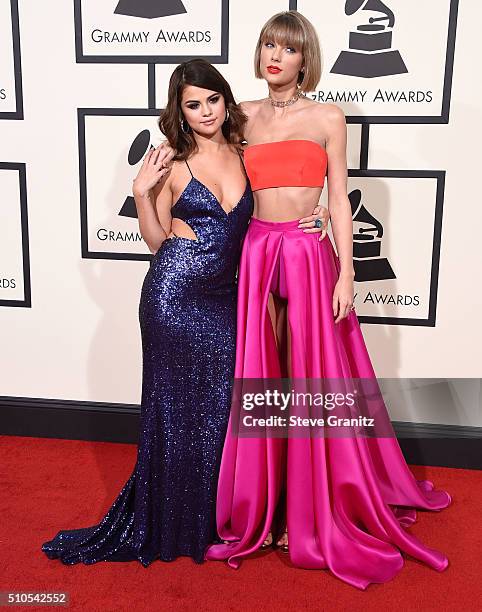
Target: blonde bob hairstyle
[[292, 29]]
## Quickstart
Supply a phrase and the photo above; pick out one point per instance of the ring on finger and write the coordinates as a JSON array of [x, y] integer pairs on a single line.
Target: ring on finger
[[318, 222]]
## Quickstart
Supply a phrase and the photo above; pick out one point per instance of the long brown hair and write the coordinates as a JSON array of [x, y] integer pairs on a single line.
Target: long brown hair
[[199, 73]]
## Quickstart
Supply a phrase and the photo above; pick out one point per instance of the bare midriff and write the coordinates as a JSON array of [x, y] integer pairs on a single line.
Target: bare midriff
[[285, 203]]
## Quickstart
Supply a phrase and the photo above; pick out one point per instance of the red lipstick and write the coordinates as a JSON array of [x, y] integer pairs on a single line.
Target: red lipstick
[[273, 69]]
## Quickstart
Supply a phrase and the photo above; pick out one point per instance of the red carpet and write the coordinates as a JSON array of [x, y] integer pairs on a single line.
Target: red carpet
[[48, 485]]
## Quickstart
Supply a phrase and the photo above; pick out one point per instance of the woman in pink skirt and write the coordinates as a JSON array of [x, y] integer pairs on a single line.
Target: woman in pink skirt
[[346, 500]]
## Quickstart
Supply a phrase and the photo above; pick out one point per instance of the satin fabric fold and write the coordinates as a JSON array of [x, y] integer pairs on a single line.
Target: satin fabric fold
[[348, 500]]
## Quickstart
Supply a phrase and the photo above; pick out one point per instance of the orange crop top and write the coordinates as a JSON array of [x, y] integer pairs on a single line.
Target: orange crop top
[[286, 163]]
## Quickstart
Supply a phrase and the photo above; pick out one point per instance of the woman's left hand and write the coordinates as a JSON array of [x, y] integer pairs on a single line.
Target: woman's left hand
[[343, 298], [307, 224]]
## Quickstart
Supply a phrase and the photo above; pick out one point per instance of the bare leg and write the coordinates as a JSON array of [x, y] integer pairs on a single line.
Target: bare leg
[[278, 307]]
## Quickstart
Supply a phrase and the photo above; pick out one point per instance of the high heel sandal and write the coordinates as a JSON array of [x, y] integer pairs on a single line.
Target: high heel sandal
[[267, 544], [285, 546]]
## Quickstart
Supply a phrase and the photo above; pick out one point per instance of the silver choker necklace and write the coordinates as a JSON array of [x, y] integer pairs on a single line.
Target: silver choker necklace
[[281, 103]]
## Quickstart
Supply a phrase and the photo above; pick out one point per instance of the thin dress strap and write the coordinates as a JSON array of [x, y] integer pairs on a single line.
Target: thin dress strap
[[189, 168], [242, 161]]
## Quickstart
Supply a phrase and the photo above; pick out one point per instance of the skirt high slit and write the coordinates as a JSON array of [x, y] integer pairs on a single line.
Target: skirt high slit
[[348, 500]]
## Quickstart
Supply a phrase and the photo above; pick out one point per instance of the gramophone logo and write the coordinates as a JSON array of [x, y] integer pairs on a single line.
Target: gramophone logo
[[150, 9], [368, 263], [151, 31], [109, 226], [377, 41], [139, 146], [370, 51], [396, 266]]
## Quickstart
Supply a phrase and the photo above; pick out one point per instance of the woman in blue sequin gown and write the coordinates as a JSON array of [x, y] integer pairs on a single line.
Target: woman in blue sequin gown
[[187, 317]]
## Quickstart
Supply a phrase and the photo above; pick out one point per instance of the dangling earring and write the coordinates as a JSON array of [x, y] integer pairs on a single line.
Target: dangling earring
[[184, 126], [227, 116]]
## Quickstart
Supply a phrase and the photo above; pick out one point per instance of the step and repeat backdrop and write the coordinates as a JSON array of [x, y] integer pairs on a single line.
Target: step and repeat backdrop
[[81, 85]]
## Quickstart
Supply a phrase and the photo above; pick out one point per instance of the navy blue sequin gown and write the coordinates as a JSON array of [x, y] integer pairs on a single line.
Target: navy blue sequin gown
[[187, 315]]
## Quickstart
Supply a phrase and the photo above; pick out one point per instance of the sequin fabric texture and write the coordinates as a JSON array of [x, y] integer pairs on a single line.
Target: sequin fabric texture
[[187, 315]]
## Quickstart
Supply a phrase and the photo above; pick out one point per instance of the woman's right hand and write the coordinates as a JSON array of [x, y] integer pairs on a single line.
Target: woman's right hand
[[155, 166]]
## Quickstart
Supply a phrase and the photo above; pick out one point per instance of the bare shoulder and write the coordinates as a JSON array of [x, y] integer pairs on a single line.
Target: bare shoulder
[[332, 119], [328, 112], [166, 183], [177, 164], [250, 107], [178, 171]]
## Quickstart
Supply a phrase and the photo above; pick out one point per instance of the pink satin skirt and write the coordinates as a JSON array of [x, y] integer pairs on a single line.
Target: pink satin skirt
[[348, 500]]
